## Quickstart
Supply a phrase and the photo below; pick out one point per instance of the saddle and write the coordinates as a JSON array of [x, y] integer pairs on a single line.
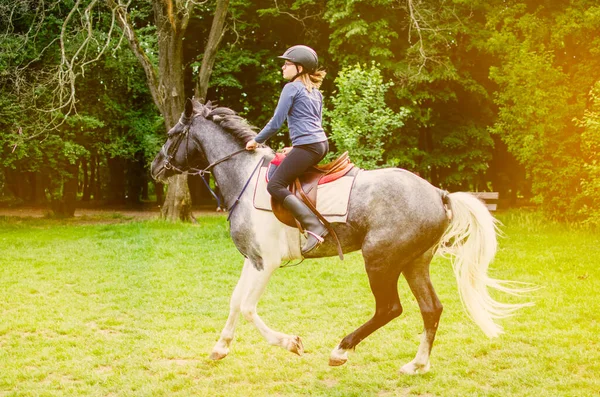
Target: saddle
[[305, 188]]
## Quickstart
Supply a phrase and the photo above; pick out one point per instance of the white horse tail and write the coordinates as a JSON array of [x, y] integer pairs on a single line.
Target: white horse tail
[[471, 240]]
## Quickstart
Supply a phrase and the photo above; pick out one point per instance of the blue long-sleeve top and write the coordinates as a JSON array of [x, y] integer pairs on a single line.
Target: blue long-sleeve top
[[303, 111]]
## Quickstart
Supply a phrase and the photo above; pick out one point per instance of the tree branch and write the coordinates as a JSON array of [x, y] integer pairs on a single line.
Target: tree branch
[[415, 22], [297, 18], [124, 22], [217, 31], [421, 23], [76, 43]]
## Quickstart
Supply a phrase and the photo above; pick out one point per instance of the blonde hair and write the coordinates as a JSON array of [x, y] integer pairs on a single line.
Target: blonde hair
[[312, 80]]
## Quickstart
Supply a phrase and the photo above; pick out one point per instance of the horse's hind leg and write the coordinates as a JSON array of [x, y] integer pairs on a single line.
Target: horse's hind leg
[[417, 276], [384, 286]]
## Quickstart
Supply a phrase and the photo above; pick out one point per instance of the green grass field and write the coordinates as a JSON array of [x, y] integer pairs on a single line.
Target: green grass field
[[116, 307]]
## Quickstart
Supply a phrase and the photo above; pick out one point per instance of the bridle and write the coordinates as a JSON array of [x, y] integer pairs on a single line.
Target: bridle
[[187, 122], [190, 170]]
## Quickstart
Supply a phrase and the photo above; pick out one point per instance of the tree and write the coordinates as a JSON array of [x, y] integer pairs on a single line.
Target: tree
[[40, 65], [77, 111], [424, 48], [166, 78], [547, 61], [471, 95], [589, 199], [360, 120]]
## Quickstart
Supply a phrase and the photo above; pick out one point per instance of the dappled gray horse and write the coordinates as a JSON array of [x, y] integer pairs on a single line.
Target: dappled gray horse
[[396, 218]]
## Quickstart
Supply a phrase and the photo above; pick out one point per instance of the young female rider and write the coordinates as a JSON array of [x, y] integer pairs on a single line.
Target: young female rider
[[301, 103]]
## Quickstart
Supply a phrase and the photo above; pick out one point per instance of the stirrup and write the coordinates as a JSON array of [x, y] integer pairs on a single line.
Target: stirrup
[[315, 235], [319, 239]]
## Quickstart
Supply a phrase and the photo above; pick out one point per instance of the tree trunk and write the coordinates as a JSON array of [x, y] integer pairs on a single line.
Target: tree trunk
[[178, 195], [70, 190], [135, 179], [144, 175], [160, 195], [116, 185], [97, 187], [65, 206], [38, 189], [177, 204], [86, 180], [199, 192]]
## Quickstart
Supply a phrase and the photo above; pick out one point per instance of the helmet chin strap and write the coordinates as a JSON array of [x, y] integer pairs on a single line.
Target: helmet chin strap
[[298, 73]]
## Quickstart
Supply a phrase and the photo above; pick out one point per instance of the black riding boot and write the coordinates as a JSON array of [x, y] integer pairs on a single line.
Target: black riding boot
[[312, 225]]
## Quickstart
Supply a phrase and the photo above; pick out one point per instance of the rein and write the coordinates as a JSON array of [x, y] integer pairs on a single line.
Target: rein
[[237, 201], [221, 160]]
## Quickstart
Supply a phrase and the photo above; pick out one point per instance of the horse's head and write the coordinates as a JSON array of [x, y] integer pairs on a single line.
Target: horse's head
[[175, 155], [221, 130]]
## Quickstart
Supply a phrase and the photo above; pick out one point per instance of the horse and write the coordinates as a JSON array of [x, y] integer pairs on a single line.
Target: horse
[[397, 219]]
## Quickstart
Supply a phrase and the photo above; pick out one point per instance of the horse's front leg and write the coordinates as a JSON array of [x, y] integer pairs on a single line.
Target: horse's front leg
[[258, 280], [245, 298], [221, 349]]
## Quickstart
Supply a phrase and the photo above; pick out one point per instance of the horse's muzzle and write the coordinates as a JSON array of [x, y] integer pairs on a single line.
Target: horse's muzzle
[[158, 171]]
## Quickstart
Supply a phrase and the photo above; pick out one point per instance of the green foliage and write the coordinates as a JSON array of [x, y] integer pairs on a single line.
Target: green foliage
[[423, 47], [228, 65], [463, 87], [547, 60], [364, 29], [590, 148], [360, 120], [534, 122], [461, 157], [114, 115]]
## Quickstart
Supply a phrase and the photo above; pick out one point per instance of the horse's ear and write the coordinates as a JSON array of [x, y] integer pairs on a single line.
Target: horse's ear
[[189, 107], [206, 109]]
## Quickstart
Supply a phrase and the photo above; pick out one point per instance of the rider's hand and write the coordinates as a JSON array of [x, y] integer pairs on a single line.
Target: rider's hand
[[251, 145], [286, 150]]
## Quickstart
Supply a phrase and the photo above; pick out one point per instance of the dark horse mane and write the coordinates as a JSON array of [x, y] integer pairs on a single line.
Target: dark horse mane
[[235, 125]]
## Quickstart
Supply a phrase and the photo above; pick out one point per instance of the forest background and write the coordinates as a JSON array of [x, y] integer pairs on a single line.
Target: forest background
[[494, 95]]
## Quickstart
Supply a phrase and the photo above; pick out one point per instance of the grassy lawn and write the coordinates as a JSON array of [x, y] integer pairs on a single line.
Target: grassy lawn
[[115, 307]]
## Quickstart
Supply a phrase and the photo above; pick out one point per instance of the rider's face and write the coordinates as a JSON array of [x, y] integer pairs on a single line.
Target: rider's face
[[289, 70]]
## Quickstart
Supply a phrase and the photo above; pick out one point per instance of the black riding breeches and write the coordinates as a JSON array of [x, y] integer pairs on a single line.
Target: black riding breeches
[[298, 160]]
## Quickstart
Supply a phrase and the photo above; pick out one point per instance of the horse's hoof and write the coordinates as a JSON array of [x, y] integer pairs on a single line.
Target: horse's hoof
[[215, 355], [296, 346], [336, 362], [338, 357], [415, 369]]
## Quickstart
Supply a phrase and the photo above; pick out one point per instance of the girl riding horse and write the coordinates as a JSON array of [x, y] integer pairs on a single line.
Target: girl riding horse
[[301, 103]]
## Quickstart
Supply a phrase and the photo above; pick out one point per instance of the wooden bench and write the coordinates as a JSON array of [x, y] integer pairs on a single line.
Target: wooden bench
[[490, 199]]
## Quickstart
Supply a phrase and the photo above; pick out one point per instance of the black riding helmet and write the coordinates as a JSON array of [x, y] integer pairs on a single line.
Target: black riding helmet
[[302, 55]]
